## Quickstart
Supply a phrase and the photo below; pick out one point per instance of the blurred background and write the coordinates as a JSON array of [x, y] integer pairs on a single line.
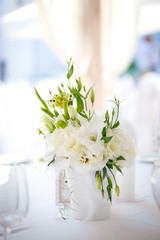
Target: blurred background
[[114, 45]]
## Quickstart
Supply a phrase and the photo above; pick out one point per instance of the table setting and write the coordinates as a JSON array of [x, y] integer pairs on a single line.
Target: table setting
[[89, 184], [138, 219]]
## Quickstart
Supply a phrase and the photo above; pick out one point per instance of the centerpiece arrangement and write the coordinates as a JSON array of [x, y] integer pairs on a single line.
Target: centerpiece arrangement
[[89, 147]]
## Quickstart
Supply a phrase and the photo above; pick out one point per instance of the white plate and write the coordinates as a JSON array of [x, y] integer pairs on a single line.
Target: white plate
[[150, 158], [13, 158]]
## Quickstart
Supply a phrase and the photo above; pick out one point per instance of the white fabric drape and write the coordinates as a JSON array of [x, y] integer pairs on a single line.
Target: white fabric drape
[[119, 26], [100, 35]]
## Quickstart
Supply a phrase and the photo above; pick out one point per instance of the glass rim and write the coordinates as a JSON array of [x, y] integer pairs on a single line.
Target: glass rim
[[156, 162], [22, 163]]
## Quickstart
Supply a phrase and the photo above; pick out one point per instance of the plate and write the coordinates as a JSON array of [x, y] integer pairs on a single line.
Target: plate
[[149, 158], [13, 158]]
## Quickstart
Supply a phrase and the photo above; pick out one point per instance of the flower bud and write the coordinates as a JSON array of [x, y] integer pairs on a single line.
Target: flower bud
[[72, 112], [117, 190], [98, 180], [92, 96], [79, 84], [107, 115]]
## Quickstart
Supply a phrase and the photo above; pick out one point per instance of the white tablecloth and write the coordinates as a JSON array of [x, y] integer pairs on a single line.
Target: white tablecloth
[[129, 220]]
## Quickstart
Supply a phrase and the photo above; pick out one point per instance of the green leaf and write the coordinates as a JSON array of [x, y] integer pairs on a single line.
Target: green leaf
[[48, 123], [52, 161], [109, 182], [48, 112], [41, 100], [106, 139], [117, 190], [83, 115], [70, 89], [110, 160], [104, 132], [120, 158], [79, 123], [60, 91], [76, 92], [88, 92], [73, 91], [70, 103], [64, 117], [53, 127], [104, 173], [40, 131], [66, 114], [80, 105], [56, 113], [61, 123], [102, 192], [109, 165], [109, 190], [91, 116], [118, 168], [49, 128], [116, 124], [70, 72]]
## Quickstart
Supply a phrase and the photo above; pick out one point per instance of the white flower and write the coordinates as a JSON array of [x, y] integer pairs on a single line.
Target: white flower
[[92, 147], [120, 145], [81, 147], [54, 147]]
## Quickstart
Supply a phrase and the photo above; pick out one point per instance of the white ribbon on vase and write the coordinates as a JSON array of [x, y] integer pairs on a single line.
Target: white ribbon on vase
[[86, 201]]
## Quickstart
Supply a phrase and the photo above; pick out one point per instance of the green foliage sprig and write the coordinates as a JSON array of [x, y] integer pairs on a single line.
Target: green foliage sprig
[[68, 95], [111, 123], [103, 175]]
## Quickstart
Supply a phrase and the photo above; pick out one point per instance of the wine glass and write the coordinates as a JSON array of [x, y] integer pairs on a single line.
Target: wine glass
[[156, 133], [13, 196], [155, 181]]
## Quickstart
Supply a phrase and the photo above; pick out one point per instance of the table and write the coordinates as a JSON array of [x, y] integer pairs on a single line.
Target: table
[[136, 220]]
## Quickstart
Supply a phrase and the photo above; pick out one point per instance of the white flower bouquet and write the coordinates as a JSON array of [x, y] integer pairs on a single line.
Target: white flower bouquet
[[76, 137]]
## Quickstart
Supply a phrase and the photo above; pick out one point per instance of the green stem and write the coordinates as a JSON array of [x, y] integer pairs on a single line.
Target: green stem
[[86, 116], [113, 176], [102, 179], [112, 120], [85, 104], [117, 113]]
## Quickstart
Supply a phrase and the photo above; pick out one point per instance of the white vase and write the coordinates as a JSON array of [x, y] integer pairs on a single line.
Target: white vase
[[86, 201], [126, 184]]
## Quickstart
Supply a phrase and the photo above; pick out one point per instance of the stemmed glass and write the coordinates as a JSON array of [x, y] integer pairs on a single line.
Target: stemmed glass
[[156, 133], [155, 181], [13, 195]]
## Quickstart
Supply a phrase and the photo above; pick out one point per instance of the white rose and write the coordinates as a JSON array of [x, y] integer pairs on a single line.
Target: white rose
[[82, 148], [92, 147], [71, 146]]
